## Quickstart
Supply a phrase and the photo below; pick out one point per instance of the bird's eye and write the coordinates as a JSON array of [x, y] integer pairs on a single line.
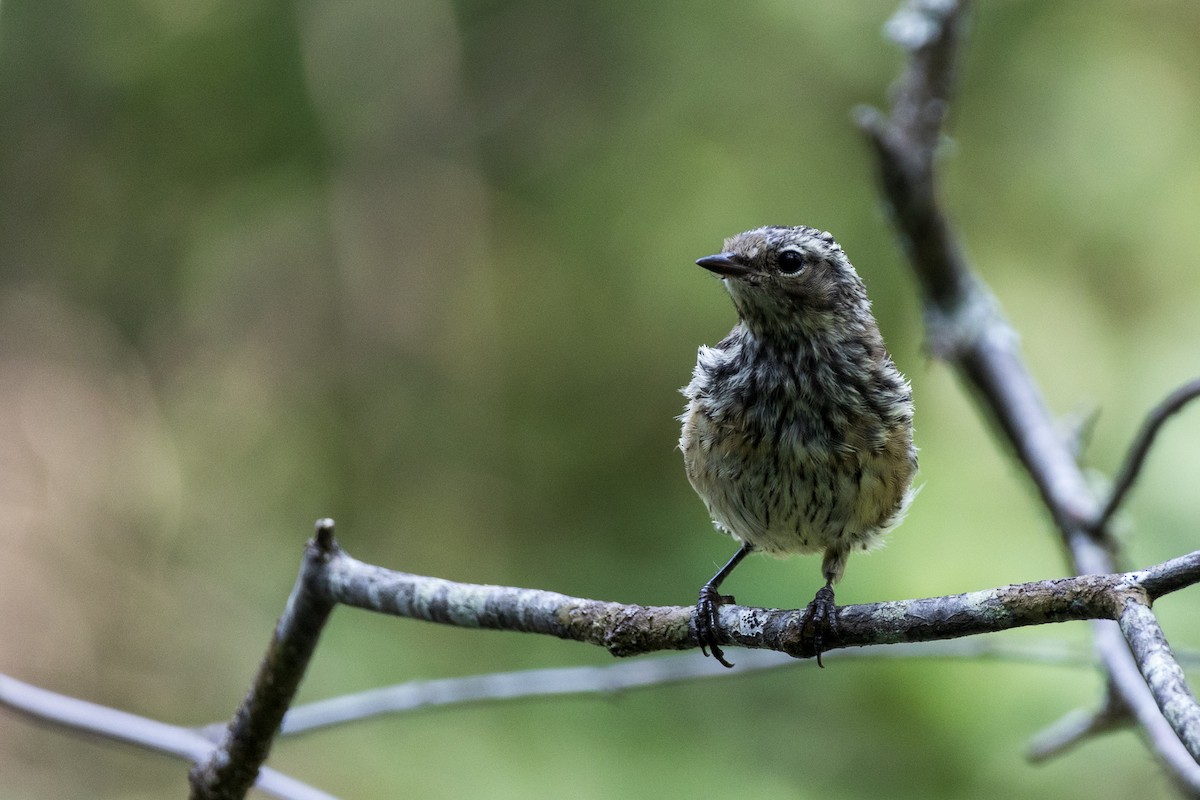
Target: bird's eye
[[790, 262]]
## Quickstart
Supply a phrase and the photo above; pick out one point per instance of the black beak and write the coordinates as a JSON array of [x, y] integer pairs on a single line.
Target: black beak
[[724, 264]]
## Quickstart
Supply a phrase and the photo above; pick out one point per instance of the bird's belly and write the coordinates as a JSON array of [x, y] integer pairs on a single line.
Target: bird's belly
[[798, 499]]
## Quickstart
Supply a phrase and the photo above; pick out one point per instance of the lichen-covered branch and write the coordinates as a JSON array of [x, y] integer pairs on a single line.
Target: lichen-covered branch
[[626, 630], [1162, 672], [621, 629], [1127, 682]]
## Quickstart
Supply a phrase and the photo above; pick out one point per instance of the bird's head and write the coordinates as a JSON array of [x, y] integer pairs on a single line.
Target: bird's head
[[789, 281]]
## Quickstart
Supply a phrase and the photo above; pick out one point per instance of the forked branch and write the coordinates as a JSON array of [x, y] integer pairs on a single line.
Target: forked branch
[[965, 326]]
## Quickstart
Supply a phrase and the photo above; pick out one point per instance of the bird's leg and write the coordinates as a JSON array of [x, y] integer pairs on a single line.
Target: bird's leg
[[820, 618], [710, 600]]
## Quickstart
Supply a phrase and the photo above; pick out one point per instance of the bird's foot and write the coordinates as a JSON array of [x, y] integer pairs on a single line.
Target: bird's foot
[[707, 623], [818, 621]]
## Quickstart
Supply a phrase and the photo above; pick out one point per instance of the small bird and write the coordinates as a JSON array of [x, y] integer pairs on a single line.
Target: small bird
[[797, 433]]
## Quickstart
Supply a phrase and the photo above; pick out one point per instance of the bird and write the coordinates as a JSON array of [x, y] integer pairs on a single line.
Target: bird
[[798, 428]]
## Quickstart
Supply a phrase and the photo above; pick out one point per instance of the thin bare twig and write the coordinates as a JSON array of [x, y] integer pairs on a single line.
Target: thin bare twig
[[73, 714], [233, 766], [624, 676], [1138, 451], [1079, 725], [1162, 578]]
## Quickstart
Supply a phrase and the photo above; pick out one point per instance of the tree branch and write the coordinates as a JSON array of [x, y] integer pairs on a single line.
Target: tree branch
[[1127, 682], [626, 630], [1078, 725], [624, 676], [329, 576], [1141, 447], [964, 325], [74, 714], [233, 766], [1162, 672]]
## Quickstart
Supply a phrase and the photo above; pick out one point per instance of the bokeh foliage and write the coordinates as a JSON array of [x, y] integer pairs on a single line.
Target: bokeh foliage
[[425, 267]]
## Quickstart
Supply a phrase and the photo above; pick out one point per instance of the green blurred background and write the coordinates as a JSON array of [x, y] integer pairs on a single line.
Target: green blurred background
[[426, 268]]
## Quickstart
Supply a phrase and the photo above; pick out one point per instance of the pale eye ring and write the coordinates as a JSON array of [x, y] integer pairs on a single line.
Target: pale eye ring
[[790, 262]]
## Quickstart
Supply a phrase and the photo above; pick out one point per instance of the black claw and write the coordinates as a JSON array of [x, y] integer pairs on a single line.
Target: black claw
[[710, 600], [819, 619], [707, 623]]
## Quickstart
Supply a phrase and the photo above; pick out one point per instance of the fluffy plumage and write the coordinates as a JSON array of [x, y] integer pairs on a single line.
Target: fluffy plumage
[[798, 429]]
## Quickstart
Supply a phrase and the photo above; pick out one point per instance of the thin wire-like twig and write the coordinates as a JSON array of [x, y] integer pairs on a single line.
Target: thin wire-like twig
[[1078, 725], [1136, 457], [74, 714], [638, 674]]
